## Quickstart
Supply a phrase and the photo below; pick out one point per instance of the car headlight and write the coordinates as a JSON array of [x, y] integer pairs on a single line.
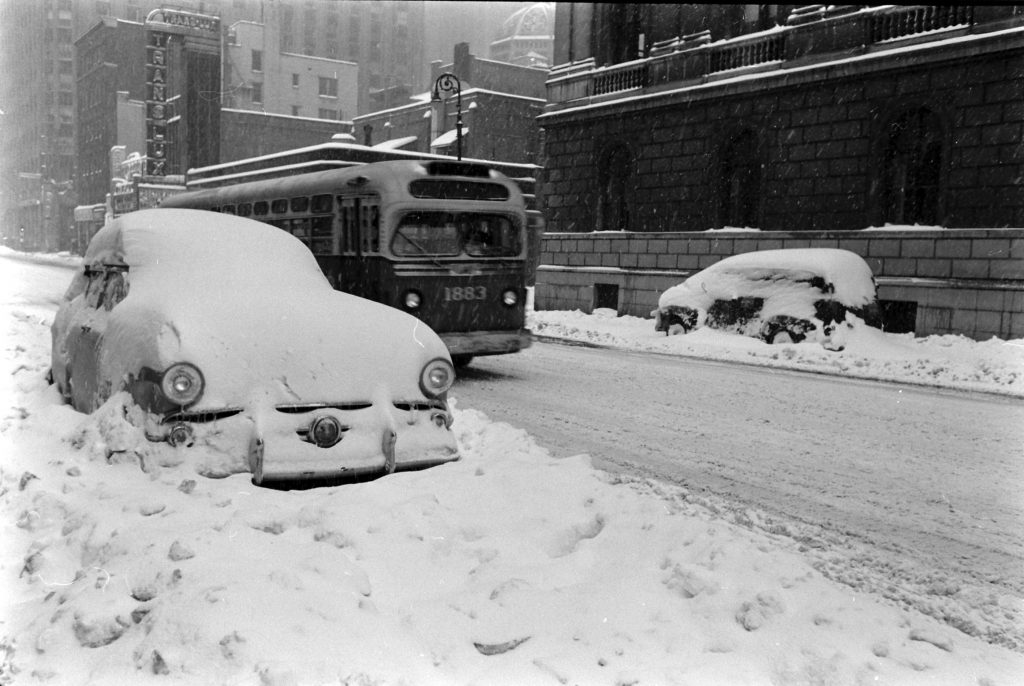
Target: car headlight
[[437, 377], [325, 431], [509, 297], [182, 383], [412, 300]]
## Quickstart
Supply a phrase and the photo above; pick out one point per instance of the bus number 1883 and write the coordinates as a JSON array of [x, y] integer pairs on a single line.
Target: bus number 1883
[[459, 293]]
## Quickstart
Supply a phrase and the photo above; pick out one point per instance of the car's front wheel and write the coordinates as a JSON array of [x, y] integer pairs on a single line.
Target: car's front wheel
[[675, 329], [781, 337]]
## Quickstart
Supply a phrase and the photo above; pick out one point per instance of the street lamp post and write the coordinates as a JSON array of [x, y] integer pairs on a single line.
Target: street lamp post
[[446, 83]]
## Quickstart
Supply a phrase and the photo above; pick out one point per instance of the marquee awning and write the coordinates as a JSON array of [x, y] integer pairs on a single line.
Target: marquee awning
[[395, 143], [448, 137]]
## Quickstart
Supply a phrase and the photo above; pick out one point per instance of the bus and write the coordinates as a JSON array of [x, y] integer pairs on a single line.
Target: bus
[[338, 154], [443, 240]]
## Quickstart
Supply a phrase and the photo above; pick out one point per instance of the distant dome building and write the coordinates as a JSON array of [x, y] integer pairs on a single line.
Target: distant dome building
[[527, 37]]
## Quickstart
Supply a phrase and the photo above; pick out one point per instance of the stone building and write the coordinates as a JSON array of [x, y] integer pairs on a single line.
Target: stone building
[[834, 120], [259, 76], [499, 107]]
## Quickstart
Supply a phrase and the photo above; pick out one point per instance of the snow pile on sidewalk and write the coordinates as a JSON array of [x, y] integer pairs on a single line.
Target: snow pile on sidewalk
[[509, 567], [955, 362]]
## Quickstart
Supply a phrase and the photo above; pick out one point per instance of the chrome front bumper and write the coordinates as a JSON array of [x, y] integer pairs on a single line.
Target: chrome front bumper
[[486, 342], [377, 439]]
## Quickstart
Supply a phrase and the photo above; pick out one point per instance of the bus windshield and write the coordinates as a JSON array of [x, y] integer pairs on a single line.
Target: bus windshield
[[449, 234]]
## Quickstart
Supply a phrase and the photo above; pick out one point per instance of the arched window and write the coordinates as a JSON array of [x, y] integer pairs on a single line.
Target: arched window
[[616, 184], [911, 168], [740, 190]]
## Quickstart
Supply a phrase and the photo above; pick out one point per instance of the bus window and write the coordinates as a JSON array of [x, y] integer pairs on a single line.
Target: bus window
[[374, 227], [228, 209], [348, 241], [322, 204], [321, 236], [490, 235], [300, 229], [279, 206], [364, 226], [449, 233], [300, 204], [260, 208], [427, 233], [244, 209]]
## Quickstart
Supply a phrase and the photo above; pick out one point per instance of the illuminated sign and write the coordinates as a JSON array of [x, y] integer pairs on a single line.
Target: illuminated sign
[[156, 103], [178, 21], [175, 38]]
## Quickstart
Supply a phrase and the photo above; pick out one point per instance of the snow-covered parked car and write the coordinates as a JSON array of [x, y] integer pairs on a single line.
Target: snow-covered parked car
[[224, 331], [779, 296]]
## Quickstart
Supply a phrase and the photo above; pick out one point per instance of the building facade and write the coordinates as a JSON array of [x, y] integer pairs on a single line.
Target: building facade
[[499, 107], [838, 119], [259, 76]]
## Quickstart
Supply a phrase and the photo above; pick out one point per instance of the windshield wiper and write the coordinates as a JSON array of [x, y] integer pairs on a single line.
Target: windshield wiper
[[423, 251]]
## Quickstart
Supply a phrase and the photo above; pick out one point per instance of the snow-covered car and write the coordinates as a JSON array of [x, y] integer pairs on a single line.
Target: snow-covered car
[[779, 296], [224, 331]]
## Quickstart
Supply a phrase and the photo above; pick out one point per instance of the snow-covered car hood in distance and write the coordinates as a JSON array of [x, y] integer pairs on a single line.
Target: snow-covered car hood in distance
[[248, 305], [782, 277]]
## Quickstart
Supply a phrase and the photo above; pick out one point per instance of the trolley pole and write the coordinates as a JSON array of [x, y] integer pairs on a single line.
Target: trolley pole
[[447, 83]]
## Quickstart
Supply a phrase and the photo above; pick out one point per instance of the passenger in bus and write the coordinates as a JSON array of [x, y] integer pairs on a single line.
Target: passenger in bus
[[479, 239]]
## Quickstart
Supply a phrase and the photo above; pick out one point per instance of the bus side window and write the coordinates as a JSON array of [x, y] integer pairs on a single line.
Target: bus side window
[[228, 209], [374, 212], [364, 227], [279, 206], [260, 208], [322, 204], [300, 228], [321, 241], [299, 204], [244, 209], [348, 242]]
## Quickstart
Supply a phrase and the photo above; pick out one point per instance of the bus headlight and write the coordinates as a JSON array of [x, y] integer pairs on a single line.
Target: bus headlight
[[412, 300], [437, 377], [509, 297]]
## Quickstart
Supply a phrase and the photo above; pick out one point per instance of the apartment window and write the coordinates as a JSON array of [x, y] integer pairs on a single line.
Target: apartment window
[[295, 110], [616, 183], [740, 188], [328, 86], [911, 166], [257, 60], [295, 80], [325, 113], [257, 92]]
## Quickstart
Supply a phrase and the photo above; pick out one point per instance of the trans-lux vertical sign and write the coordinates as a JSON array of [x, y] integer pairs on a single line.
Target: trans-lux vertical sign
[[156, 103]]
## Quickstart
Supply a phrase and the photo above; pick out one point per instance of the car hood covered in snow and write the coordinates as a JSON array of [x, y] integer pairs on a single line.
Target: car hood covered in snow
[[247, 304]]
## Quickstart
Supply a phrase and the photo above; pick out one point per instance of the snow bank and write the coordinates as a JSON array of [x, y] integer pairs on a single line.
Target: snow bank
[[509, 567], [947, 361]]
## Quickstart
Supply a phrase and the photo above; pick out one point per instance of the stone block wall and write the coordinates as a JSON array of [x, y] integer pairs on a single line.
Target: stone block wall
[[821, 131], [967, 281]]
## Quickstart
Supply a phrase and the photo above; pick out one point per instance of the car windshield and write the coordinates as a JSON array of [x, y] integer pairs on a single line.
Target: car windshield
[[449, 234]]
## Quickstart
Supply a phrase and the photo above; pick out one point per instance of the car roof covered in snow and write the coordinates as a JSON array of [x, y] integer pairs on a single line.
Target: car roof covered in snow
[[849, 275], [177, 243]]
